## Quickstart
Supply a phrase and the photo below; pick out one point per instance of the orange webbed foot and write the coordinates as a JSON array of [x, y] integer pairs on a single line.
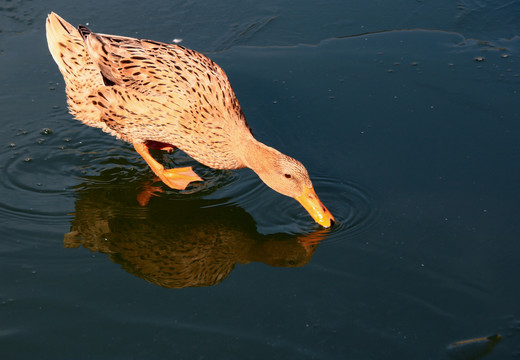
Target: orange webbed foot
[[179, 178]]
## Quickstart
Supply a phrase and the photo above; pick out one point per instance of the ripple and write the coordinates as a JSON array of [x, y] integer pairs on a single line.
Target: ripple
[[43, 166], [351, 205], [35, 180]]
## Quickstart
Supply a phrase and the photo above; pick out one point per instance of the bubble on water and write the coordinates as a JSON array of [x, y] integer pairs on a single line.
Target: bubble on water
[[46, 131]]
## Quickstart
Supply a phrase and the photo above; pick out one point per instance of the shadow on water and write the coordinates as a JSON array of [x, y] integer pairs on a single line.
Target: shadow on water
[[179, 242]]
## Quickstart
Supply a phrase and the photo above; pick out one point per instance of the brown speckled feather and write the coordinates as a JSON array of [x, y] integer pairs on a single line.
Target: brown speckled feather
[[80, 73], [191, 99], [143, 90]]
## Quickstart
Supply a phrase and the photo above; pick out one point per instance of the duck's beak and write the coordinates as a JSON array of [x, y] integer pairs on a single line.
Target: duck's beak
[[314, 207]]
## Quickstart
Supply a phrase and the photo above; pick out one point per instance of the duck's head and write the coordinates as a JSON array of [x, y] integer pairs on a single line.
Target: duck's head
[[289, 177]]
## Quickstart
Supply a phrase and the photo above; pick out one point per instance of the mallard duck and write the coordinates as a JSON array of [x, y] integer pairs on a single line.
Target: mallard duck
[[164, 96]]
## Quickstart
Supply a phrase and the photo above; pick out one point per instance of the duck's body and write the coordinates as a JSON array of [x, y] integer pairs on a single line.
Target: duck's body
[[184, 92], [163, 95]]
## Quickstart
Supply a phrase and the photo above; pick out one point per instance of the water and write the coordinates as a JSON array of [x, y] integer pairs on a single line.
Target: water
[[405, 114]]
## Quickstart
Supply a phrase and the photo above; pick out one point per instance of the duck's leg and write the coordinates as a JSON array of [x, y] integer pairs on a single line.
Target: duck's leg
[[177, 178], [156, 145]]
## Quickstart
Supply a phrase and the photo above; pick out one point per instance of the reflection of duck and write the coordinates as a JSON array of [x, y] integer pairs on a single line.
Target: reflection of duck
[[194, 243], [157, 95]]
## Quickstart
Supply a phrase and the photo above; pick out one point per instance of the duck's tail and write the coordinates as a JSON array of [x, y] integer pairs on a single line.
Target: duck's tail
[[65, 43], [81, 75]]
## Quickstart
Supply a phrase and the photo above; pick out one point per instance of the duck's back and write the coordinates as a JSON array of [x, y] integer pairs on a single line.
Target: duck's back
[[147, 90]]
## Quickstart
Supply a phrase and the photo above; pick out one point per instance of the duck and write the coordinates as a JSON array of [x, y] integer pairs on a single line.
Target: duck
[[155, 95]]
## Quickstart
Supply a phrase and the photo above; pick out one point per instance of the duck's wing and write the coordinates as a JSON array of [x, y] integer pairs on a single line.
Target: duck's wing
[[152, 67], [181, 79]]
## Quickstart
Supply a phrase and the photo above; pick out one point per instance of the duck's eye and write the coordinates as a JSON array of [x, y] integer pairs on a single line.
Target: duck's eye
[[287, 176]]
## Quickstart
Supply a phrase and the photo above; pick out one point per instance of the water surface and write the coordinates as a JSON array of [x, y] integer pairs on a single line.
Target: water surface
[[405, 114]]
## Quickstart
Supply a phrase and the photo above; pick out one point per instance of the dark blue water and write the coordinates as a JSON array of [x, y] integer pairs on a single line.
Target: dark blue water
[[406, 116]]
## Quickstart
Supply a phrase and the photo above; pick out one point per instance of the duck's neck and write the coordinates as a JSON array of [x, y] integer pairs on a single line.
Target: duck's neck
[[257, 156]]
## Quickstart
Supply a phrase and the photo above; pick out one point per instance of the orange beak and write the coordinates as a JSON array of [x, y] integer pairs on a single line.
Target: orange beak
[[314, 207]]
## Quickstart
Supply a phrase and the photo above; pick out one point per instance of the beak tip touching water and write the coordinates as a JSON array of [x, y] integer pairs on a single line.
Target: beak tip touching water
[[327, 220], [310, 201]]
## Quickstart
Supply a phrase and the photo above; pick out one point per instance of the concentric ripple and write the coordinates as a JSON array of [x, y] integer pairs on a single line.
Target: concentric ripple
[[351, 205], [35, 177]]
